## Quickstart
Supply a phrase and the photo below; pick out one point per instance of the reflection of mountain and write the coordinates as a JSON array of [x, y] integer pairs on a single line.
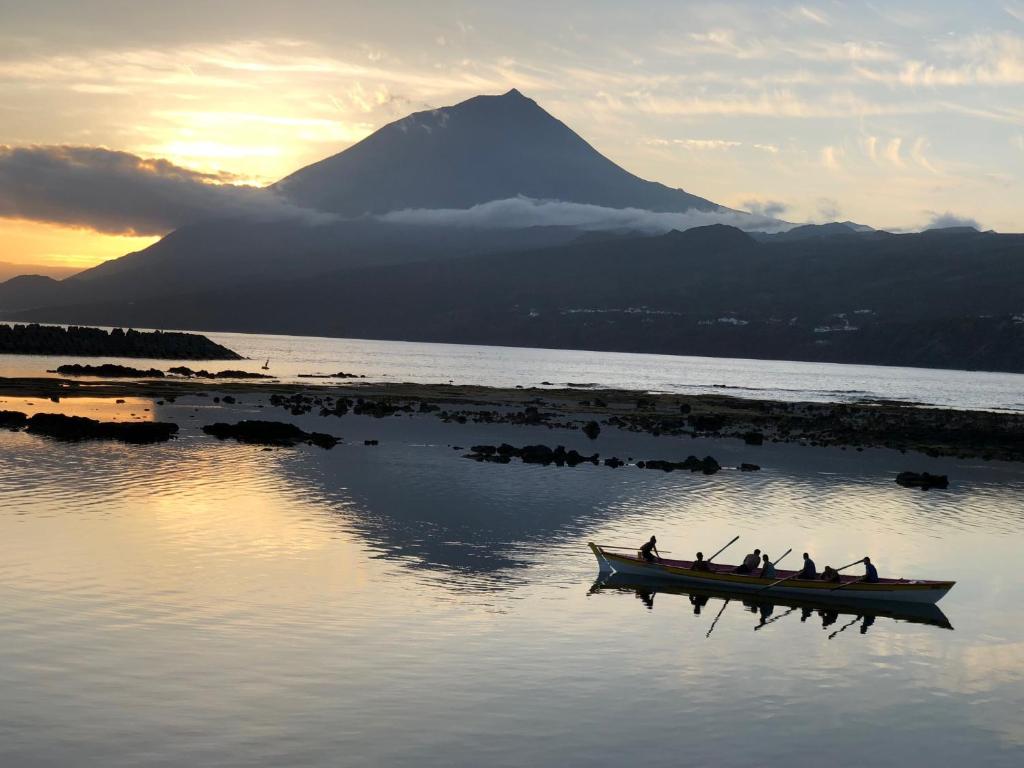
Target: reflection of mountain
[[428, 508], [772, 609]]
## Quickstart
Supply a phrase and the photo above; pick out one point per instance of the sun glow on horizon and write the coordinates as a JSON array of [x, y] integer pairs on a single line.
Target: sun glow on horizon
[[50, 245]]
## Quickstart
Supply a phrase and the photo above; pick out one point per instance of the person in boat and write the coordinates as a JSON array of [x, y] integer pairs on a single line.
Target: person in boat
[[870, 572], [649, 551], [830, 574], [767, 568], [808, 571], [750, 563], [700, 564]]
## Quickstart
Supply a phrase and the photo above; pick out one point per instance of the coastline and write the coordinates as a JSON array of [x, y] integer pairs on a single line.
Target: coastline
[[933, 432]]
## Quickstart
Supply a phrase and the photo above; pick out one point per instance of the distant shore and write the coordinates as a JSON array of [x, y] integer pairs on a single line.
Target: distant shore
[[931, 431]]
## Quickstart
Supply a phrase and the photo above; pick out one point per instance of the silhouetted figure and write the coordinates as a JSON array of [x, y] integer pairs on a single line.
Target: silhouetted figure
[[766, 610], [700, 564], [808, 571], [870, 572], [750, 563], [649, 551], [866, 625], [830, 574], [698, 602], [767, 569], [805, 613], [828, 617]]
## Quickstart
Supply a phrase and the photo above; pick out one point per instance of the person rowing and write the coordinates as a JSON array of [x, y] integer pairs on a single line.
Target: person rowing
[[649, 551], [830, 574], [750, 563], [767, 568], [808, 571], [870, 572], [700, 564]]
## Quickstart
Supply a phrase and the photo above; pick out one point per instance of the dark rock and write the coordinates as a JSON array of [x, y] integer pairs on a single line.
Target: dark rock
[[753, 438], [12, 419], [95, 342], [182, 370], [371, 442], [108, 371], [613, 462], [229, 399], [74, 428], [592, 429], [745, 467], [268, 433], [922, 480], [486, 450]]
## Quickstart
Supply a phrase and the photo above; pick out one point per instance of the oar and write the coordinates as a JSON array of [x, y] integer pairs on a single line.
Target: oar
[[722, 549], [795, 575], [845, 626], [848, 584], [782, 556], [776, 618], [712, 628]]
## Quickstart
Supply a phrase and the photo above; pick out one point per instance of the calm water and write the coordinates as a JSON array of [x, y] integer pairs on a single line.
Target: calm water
[[398, 361], [206, 603]]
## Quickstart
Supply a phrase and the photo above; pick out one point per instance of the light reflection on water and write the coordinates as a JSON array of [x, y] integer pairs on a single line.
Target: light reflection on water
[[208, 603]]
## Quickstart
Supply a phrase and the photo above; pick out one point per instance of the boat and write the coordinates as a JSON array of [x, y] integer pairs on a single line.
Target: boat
[[614, 560], [765, 603]]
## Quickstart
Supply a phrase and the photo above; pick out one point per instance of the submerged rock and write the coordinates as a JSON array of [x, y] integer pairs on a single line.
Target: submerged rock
[[74, 428], [269, 433], [108, 371], [922, 480]]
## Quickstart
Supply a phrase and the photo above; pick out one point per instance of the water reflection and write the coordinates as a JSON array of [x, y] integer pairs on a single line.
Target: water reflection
[[767, 611]]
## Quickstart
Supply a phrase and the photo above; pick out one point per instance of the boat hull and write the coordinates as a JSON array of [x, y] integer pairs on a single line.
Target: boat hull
[[929, 592]]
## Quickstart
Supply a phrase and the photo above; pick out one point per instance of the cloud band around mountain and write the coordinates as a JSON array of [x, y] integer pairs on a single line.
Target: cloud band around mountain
[[122, 193], [518, 212]]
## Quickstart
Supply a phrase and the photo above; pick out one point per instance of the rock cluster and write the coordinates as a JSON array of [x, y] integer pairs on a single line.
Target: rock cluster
[[269, 433], [922, 480], [708, 465], [183, 370], [75, 428], [108, 371], [95, 342], [530, 454]]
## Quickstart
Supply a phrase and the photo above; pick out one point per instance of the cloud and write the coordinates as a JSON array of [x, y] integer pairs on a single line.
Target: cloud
[[517, 212], [122, 193], [949, 219], [828, 209], [770, 208]]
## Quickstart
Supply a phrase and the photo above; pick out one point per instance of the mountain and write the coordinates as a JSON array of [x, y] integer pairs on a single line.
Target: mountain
[[486, 148], [954, 301], [481, 150]]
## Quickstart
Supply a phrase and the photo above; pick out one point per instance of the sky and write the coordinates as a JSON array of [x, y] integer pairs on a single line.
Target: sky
[[896, 115]]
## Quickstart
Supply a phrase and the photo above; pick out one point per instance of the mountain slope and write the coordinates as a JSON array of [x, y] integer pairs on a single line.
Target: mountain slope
[[486, 148]]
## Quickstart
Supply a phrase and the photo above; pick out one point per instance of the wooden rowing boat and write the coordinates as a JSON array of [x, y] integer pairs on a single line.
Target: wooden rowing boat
[[723, 577], [765, 603]]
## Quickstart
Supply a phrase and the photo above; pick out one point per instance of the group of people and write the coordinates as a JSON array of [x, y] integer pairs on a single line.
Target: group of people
[[757, 564]]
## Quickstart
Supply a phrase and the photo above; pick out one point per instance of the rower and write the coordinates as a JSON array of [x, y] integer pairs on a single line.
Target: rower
[[646, 550], [750, 563], [808, 571], [830, 574], [870, 572], [767, 569], [700, 564]]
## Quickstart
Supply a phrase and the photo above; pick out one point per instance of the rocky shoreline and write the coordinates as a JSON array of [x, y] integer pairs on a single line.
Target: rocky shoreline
[[931, 431], [79, 341]]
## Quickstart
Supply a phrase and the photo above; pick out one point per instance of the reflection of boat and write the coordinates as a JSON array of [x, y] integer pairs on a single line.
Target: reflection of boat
[[724, 577], [829, 610]]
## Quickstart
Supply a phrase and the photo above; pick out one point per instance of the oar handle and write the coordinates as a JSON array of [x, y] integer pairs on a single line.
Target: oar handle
[[849, 565], [779, 558], [722, 549]]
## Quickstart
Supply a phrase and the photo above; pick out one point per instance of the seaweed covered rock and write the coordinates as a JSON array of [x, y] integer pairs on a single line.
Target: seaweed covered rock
[[922, 480], [75, 428], [109, 371], [12, 419], [269, 433]]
